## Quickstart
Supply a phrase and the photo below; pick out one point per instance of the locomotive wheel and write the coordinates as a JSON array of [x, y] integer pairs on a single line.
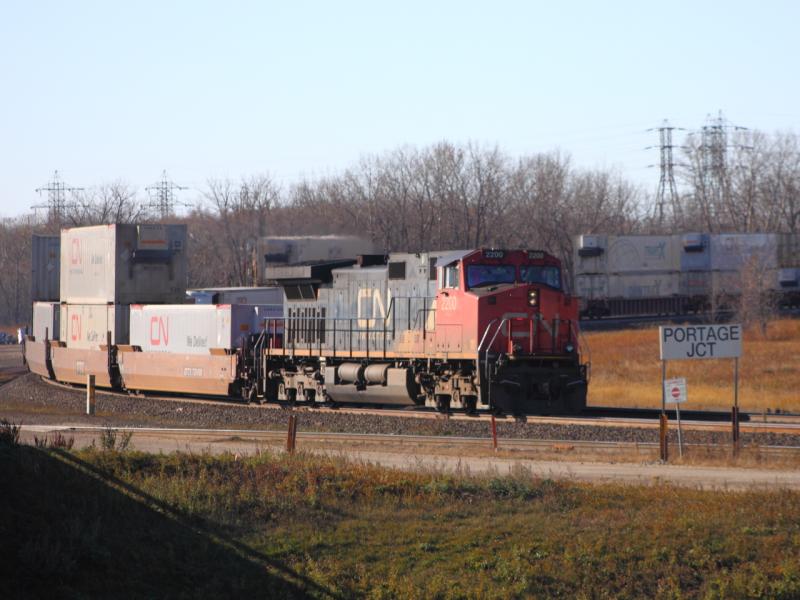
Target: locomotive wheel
[[442, 403], [308, 396]]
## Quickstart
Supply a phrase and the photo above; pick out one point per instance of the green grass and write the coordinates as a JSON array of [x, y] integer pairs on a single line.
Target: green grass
[[109, 524]]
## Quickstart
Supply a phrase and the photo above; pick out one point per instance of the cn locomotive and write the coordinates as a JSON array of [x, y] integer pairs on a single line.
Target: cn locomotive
[[481, 329]]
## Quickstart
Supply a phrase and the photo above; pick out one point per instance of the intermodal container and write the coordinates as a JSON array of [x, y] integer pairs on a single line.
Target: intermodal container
[[192, 328], [84, 326], [45, 269], [733, 251], [643, 253], [123, 264], [46, 320]]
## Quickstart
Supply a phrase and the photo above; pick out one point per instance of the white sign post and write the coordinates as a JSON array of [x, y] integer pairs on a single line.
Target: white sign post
[[697, 342], [675, 393]]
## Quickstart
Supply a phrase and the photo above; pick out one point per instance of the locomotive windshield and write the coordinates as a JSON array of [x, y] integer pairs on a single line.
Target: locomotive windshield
[[546, 275], [480, 275]]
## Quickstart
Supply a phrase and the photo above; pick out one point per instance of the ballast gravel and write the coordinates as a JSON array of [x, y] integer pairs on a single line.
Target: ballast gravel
[[29, 399]]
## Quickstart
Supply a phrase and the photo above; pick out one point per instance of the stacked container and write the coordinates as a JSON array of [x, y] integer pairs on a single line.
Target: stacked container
[[196, 328], [45, 268], [106, 268], [46, 320]]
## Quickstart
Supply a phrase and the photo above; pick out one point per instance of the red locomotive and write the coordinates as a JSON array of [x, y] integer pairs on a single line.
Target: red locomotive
[[480, 329]]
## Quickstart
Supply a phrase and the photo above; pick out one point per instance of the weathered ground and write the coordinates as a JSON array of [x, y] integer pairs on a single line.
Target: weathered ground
[[102, 523]]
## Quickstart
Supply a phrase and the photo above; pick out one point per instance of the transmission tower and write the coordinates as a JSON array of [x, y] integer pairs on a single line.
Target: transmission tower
[[714, 161], [162, 196], [667, 189], [56, 198]]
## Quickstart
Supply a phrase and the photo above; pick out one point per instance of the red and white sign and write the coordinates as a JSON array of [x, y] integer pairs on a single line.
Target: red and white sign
[[675, 390]]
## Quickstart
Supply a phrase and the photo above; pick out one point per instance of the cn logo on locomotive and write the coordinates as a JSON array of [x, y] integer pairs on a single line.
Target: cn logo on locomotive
[[371, 309]]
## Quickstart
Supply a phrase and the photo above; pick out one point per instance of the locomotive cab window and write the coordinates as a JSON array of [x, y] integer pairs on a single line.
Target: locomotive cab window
[[451, 276], [483, 275], [536, 274]]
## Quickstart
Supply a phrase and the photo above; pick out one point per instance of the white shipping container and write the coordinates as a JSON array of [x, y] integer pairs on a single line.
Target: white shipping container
[[656, 285], [731, 252], [190, 328], [643, 253], [85, 325], [45, 267], [46, 320], [123, 264]]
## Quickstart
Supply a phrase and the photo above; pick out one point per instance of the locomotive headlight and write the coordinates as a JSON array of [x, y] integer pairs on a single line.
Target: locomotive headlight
[[533, 297], [569, 348]]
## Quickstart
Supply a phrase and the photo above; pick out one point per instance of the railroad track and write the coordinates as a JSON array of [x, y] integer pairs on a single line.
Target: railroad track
[[249, 440], [594, 416]]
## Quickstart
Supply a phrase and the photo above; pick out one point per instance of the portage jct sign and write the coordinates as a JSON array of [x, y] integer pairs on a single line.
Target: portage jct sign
[[682, 342]]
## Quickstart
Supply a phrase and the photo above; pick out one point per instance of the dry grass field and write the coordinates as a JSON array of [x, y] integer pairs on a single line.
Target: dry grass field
[[626, 371]]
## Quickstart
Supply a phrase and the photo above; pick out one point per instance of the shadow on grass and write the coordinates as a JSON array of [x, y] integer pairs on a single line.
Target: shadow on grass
[[68, 529]]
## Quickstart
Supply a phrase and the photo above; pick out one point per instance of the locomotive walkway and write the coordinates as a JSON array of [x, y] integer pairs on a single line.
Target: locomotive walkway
[[456, 455]]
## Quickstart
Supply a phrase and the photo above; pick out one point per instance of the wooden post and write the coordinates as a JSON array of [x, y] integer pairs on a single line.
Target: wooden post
[[90, 402], [494, 434], [663, 438], [291, 435]]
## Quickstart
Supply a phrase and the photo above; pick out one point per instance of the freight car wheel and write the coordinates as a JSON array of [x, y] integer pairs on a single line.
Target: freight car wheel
[[442, 403]]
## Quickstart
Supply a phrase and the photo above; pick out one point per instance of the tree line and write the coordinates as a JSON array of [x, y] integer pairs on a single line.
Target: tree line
[[443, 196]]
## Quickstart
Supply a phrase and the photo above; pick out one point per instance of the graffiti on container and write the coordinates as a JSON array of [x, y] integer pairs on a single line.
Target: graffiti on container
[[656, 250]]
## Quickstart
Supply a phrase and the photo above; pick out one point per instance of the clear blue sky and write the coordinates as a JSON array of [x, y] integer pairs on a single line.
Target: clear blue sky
[[108, 90]]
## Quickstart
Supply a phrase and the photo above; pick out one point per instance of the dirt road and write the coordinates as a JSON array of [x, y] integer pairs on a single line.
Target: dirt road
[[395, 452]]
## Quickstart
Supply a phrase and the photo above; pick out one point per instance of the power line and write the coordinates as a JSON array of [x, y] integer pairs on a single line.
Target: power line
[[56, 198], [162, 196]]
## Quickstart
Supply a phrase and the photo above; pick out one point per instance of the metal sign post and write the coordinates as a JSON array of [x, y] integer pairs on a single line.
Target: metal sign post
[[675, 392], [735, 414]]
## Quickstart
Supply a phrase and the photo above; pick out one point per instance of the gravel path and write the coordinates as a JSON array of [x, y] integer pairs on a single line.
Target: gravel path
[[28, 399]]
